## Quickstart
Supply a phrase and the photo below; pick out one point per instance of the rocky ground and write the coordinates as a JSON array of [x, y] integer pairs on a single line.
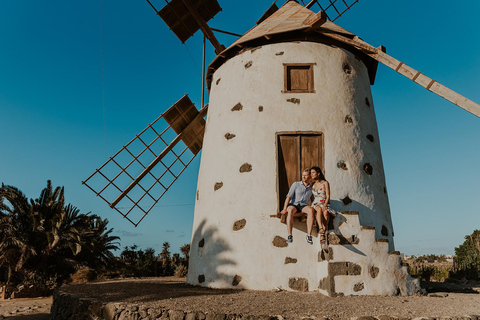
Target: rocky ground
[[444, 300], [25, 309]]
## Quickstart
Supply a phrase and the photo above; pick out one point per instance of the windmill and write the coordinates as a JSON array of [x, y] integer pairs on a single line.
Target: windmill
[[292, 92]]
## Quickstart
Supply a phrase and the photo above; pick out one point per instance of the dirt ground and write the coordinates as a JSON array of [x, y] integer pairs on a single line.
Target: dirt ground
[[25, 309], [174, 293]]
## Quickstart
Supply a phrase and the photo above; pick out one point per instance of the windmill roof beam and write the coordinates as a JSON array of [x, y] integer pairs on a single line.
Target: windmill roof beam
[[292, 22], [416, 76]]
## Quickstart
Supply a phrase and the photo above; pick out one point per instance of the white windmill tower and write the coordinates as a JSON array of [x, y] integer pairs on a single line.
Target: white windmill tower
[[291, 93]]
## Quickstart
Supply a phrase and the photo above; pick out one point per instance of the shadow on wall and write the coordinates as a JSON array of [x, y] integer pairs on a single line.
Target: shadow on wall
[[368, 218], [207, 267]]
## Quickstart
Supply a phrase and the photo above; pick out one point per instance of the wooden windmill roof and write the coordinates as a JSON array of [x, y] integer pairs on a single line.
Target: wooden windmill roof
[[290, 22]]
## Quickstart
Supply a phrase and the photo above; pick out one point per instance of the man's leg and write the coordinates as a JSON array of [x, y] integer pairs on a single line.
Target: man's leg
[[291, 211], [310, 216]]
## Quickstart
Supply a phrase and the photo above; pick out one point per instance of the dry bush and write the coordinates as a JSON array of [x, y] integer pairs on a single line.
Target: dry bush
[[181, 271], [83, 275]]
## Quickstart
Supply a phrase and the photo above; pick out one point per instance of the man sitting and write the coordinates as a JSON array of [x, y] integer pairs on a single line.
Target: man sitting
[[296, 205]]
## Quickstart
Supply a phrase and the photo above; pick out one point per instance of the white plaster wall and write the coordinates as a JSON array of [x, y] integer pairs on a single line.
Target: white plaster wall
[[252, 196]]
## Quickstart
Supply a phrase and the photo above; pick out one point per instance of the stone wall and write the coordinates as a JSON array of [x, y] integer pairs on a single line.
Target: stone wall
[[70, 307]]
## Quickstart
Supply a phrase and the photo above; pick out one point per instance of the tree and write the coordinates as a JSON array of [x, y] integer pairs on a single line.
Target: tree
[[185, 250], [468, 255], [45, 240], [166, 260], [138, 262]]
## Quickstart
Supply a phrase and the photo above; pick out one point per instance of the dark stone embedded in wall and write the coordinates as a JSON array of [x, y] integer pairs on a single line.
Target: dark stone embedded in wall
[[367, 167], [373, 271], [324, 283], [239, 225], [348, 120], [325, 254], [397, 253], [255, 49], [298, 284], [358, 287], [368, 227], [279, 242], [248, 64], [237, 107], [201, 278], [338, 239], [246, 167], [381, 240], [236, 280], [370, 138], [290, 260], [218, 81], [294, 100], [198, 195], [346, 201], [279, 53], [201, 243], [342, 165], [384, 231], [229, 136], [347, 68], [260, 109], [367, 102], [344, 269], [217, 186]]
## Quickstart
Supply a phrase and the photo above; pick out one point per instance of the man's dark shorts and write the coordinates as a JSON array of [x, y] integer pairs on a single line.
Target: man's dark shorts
[[297, 206]]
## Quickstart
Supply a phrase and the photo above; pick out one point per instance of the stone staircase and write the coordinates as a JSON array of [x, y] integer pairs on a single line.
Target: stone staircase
[[357, 263]]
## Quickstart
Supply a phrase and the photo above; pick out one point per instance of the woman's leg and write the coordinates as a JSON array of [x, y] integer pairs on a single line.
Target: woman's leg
[[320, 223]]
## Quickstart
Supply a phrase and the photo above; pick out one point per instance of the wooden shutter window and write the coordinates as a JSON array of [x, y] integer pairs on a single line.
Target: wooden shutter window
[[296, 151], [299, 78]]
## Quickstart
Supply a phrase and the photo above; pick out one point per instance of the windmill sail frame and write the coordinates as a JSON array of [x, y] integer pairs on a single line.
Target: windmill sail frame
[[144, 190]]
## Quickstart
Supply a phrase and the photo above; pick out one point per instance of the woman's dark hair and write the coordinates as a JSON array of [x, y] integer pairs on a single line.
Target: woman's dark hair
[[320, 173]]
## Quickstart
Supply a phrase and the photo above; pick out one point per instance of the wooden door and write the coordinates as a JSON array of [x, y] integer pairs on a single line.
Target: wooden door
[[295, 153]]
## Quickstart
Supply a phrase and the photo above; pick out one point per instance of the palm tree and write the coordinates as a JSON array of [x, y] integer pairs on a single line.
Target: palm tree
[[185, 250], [17, 223], [166, 260], [47, 239]]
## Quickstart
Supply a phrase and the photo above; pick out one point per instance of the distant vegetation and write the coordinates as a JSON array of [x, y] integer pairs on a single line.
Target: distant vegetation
[[468, 256], [465, 264], [139, 263], [46, 242]]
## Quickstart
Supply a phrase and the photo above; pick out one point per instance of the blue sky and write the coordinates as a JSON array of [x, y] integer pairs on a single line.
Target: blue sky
[[52, 123]]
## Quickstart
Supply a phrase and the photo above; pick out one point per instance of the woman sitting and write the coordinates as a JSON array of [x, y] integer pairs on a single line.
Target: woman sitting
[[321, 193]]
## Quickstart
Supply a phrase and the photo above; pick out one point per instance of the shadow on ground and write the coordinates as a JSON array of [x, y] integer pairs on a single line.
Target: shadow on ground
[[141, 290], [457, 287], [38, 316]]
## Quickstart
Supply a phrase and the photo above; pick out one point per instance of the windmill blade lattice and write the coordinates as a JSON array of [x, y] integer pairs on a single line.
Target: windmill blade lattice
[[334, 9], [141, 172]]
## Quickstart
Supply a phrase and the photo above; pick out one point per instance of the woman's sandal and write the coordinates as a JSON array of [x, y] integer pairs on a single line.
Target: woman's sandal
[[323, 239]]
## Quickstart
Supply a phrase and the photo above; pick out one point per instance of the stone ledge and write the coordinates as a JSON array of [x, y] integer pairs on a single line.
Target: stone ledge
[[71, 307]]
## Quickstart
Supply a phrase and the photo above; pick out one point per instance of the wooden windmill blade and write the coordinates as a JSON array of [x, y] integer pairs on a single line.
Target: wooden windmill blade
[[186, 17], [141, 172], [416, 76], [334, 9]]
